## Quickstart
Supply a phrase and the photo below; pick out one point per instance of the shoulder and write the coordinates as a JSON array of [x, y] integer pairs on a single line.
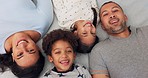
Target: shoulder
[[102, 45], [138, 30], [47, 73]]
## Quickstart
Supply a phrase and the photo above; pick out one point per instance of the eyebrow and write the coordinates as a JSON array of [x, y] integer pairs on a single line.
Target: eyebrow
[[111, 8], [115, 7]]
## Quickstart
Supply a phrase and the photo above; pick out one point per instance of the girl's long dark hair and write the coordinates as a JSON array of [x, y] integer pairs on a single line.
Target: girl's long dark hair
[[95, 17]]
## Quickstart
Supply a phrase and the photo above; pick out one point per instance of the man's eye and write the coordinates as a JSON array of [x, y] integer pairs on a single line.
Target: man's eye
[[105, 14], [115, 10]]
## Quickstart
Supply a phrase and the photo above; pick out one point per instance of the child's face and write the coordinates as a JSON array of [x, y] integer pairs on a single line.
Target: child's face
[[86, 31], [62, 55]]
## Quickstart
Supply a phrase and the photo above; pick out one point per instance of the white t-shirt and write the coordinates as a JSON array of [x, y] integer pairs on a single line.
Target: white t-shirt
[[69, 11], [78, 71]]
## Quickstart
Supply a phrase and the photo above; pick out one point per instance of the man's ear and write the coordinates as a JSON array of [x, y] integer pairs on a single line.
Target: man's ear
[[126, 18], [50, 58]]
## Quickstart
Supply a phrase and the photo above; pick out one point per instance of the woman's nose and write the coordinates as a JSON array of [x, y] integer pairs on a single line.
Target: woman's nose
[[24, 47]]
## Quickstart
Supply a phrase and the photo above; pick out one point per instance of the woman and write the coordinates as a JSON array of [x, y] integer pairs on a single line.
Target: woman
[[24, 23]]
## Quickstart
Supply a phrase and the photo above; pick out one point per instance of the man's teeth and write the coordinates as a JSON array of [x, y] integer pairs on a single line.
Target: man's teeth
[[113, 21]]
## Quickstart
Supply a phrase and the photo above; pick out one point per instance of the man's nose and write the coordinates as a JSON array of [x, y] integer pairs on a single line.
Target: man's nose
[[112, 16]]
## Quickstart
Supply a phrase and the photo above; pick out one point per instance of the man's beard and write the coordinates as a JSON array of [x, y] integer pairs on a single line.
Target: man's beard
[[121, 29]]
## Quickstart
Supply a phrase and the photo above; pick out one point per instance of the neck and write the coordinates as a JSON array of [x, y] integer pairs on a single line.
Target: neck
[[123, 34], [33, 34]]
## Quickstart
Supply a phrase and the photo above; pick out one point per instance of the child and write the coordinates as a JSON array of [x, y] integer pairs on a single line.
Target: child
[[60, 47], [79, 16]]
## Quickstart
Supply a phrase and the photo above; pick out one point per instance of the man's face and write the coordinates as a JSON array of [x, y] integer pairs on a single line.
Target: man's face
[[113, 19]]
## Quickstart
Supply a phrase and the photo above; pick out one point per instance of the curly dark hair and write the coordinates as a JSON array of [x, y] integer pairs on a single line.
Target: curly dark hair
[[30, 72], [56, 35]]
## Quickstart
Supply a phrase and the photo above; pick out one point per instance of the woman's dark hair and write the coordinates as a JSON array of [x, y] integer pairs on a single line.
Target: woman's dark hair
[[56, 35], [30, 72]]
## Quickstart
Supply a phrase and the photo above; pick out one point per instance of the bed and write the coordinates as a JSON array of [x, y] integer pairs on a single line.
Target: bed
[[137, 12]]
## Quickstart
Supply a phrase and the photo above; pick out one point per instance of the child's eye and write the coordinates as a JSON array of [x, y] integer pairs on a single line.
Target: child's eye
[[69, 51], [84, 34], [57, 52]]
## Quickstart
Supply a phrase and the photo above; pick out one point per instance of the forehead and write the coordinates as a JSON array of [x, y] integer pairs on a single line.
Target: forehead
[[107, 6]]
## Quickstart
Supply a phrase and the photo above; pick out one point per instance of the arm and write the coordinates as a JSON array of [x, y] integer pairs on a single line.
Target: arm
[[100, 76], [46, 7], [98, 67]]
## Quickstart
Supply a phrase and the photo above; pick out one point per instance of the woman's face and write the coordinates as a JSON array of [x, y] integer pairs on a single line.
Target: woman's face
[[85, 31], [24, 50], [62, 55]]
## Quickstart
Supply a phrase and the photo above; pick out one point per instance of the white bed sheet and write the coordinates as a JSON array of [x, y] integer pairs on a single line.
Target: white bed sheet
[[137, 12]]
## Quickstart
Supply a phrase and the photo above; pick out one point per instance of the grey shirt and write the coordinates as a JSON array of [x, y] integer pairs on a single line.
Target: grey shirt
[[122, 57]]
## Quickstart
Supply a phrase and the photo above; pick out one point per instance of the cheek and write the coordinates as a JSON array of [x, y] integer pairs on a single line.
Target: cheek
[[72, 56], [93, 30]]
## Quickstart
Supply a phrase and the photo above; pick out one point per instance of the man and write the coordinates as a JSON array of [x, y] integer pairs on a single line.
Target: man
[[124, 53]]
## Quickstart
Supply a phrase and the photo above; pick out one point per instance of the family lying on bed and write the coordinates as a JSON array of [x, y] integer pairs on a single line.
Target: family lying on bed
[[122, 55]]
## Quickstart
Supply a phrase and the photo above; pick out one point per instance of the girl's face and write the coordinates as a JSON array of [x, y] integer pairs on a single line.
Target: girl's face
[[86, 31], [24, 50], [62, 55]]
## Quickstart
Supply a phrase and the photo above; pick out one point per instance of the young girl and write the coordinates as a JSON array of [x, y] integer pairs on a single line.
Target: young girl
[[60, 47], [80, 16]]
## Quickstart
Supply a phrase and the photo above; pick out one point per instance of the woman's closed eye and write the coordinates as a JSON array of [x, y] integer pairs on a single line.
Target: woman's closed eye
[[31, 51], [20, 55]]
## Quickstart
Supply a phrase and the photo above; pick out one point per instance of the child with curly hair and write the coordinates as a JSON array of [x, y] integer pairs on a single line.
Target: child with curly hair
[[60, 47]]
